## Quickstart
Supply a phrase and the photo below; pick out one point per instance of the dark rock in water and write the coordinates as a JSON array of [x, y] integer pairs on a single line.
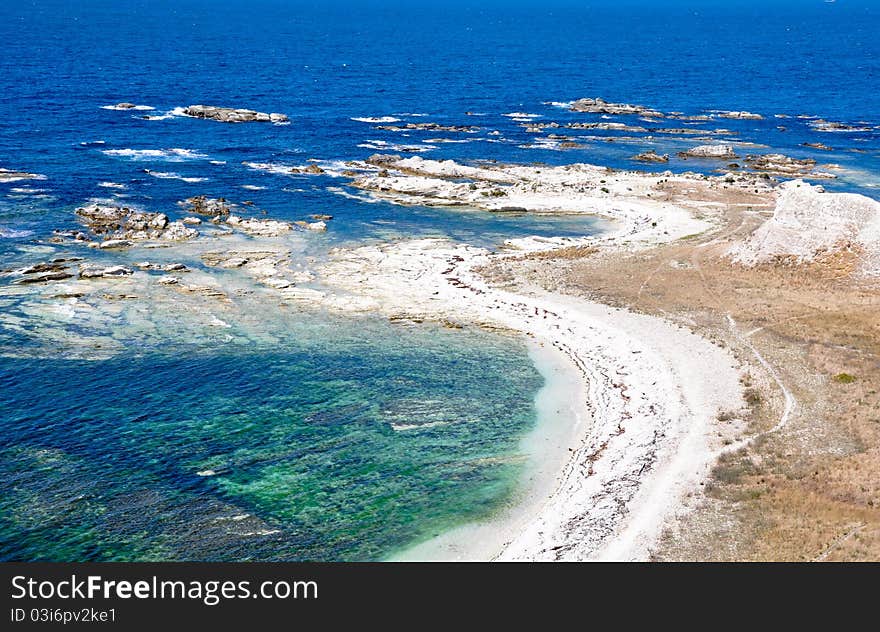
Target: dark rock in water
[[709, 151], [44, 276], [651, 156], [44, 267], [821, 146], [383, 159], [601, 106], [321, 217], [430, 127], [10, 175], [233, 115], [210, 207], [120, 225], [786, 166], [91, 271], [125, 106]]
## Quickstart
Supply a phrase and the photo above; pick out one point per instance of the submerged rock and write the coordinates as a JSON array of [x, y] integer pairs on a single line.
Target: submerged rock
[[8, 175], [316, 226], [821, 125], [233, 115]]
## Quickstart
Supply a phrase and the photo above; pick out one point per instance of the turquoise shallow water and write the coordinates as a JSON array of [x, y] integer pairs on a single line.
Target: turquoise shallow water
[[348, 449]]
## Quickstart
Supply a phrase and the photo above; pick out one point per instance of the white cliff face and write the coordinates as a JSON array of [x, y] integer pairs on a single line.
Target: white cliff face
[[808, 222]]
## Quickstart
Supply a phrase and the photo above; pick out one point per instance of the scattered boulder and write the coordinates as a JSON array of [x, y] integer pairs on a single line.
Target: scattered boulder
[[233, 115]]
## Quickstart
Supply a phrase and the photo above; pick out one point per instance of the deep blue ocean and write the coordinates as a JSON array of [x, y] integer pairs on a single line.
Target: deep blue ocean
[[295, 417]]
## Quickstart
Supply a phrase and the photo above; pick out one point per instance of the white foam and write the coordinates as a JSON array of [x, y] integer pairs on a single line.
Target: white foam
[[375, 119], [112, 185], [164, 155], [170, 175], [11, 233], [559, 104], [384, 145], [522, 116], [27, 190], [123, 109]]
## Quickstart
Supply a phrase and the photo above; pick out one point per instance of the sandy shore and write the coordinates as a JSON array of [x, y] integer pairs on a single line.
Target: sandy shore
[[641, 418]]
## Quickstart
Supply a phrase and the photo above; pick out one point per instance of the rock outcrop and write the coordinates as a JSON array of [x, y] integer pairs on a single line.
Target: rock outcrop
[[92, 271], [786, 166], [601, 106], [651, 156], [808, 222], [722, 152], [740, 115], [119, 226], [233, 115], [203, 205], [259, 227]]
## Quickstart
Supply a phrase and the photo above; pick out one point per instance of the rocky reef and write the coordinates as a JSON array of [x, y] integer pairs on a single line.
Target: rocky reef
[[233, 115], [722, 152], [601, 106], [786, 166], [119, 226], [740, 115]]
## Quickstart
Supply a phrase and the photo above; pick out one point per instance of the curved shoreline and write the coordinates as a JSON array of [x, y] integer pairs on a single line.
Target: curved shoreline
[[643, 384]]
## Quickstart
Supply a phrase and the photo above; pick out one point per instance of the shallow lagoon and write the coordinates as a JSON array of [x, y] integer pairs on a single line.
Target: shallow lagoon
[[360, 440]]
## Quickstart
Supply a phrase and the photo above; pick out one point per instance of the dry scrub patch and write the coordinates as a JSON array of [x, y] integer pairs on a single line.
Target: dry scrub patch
[[811, 489]]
